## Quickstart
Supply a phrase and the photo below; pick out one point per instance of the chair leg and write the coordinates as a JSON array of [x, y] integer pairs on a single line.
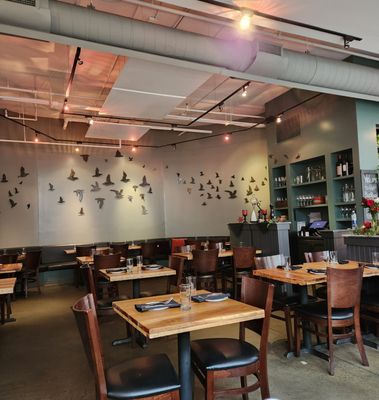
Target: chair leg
[[317, 335], [244, 384], [2, 307], [331, 365], [209, 389], [38, 283], [287, 316], [26, 287], [297, 335], [263, 380], [358, 338]]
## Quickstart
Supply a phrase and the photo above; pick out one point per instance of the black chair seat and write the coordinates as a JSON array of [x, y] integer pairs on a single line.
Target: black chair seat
[[141, 377], [320, 310], [370, 300], [290, 301], [223, 353]]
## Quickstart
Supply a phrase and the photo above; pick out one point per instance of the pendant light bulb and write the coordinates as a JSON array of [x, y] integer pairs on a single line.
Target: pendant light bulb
[[244, 91], [36, 138], [91, 121], [278, 119], [245, 21], [227, 137], [134, 149]]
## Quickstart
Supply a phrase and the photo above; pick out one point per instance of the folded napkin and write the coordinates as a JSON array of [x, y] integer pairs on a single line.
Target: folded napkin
[[316, 271], [156, 305], [200, 298], [372, 266], [292, 267], [343, 262], [152, 266], [116, 270]]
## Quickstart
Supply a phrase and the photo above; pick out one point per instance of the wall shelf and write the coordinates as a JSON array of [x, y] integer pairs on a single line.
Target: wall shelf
[[312, 206], [340, 178], [309, 183], [347, 203]]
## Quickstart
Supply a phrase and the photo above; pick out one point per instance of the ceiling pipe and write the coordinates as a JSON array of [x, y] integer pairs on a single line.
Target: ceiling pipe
[[77, 144]]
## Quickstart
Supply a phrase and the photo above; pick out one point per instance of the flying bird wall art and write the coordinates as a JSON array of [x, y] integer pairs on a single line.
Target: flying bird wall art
[[108, 181], [150, 190], [97, 173], [28, 206], [96, 187], [218, 197], [144, 210], [231, 184], [142, 195], [249, 191], [201, 187], [4, 179], [118, 193], [85, 157], [201, 173], [23, 173], [130, 198], [192, 182], [12, 203], [16, 191], [124, 178], [144, 182], [79, 193], [10, 193], [72, 176], [51, 187], [203, 203], [81, 212], [135, 187], [100, 201], [60, 201], [130, 158], [232, 194]]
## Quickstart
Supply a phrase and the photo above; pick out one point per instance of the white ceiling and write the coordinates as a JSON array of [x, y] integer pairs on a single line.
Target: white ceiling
[[34, 74]]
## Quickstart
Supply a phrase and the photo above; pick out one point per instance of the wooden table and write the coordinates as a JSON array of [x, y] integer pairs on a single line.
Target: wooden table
[[155, 324], [105, 248], [221, 254], [6, 289], [10, 268], [89, 260], [136, 275], [303, 279]]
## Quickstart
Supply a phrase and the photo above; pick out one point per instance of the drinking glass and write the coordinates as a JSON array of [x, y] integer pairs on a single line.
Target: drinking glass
[[333, 257], [188, 248], [185, 296], [192, 281], [375, 257], [287, 263], [139, 263], [129, 264], [325, 257]]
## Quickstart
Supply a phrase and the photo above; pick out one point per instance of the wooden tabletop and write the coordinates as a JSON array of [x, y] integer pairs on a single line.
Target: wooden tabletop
[[7, 285], [131, 247], [89, 260], [9, 268], [302, 277], [137, 274], [154, 324]]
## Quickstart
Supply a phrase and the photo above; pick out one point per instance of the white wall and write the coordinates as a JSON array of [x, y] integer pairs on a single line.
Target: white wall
[[245, 156]]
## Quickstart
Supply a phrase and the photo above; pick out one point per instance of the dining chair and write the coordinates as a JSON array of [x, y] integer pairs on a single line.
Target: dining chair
[[221, 358], [204, 267], [105, 261], [149, 252], [195, 244], [314, 256], [340, 311], [121, 248], [85, 250], [8, 258], [150, 377], [282, 301], [243, 265], [30, 270]]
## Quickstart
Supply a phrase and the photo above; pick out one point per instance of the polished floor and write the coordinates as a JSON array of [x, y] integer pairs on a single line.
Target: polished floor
[[41, 357]]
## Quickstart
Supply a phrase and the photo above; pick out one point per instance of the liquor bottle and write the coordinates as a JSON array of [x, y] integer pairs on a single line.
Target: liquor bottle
[[350, 168], [345, 167], [272, 212], [339, 166], [353, 219]]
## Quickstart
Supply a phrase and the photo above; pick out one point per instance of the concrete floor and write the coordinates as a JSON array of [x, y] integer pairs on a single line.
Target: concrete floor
[[41, 357]]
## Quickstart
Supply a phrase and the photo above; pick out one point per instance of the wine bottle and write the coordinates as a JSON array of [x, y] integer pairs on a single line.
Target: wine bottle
[[339, 166], [345, 167]]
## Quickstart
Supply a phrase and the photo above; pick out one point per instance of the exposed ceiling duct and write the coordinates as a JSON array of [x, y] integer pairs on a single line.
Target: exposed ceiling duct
[[91, 25]]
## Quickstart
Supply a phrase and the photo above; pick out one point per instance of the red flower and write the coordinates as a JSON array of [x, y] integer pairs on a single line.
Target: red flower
[[369, 202], [367, 224]]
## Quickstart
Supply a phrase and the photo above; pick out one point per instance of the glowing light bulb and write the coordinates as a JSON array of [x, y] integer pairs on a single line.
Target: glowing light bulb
[[91, 121], [245, 21], [227, 137], [244, 91], [77, 149], [66, 107], [36, 138], [134, 149], [278, 119]]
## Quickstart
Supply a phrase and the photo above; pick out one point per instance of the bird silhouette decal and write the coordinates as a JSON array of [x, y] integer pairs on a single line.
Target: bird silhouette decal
[[212, 186], [97, 173], [81, 212], [252, 180], [192, 182], [28, 206], [220, 181], [209, 196], [79, 193], [232, 194], [150, 190], [298, 156], [10, 193], [256, 188], [124, 177], [218, 197], [144, 182], [246, 200], [203, 203], [144, 210], [85, 157], [286, 156], [201, 173], [135, 187], [118, 193], [249, 191], [209, 182], [12, 203], [108, 181], [263, 183], [189, 190], [72, 176], [217, 189], [130, 198], [242, 179], [16, 191], [51, 187], [143, 166], [23, 173], [233, 177], [60, 201], [201, 187], [4, 179], [265, 178], [130, 158], [217, 175], [95, 187], [20, 183], [142, 195], [100, 202], [202, 194], [231, 184]]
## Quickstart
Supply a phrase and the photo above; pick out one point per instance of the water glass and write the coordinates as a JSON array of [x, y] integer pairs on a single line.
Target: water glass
[[375, 257], [139, 261], [325, 257], [287, 263], [185, 296], [333, 257], [129, 264], [192, 281]]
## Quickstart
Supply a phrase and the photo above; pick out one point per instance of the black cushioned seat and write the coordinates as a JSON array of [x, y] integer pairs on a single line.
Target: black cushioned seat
[[141, 377], [291, 300], [223, 353], [320, 310]]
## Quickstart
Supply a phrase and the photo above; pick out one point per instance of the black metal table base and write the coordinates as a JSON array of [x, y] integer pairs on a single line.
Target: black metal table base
[[184, 354]]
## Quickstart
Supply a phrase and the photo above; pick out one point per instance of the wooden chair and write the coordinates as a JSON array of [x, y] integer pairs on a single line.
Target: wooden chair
[[149, 252], [243, 265], [148, 378], [282, 301], [195, 244], [121, 248], [105, 261], [314, 256], [341, 310], [221, 358], [204, 267], [85, 250], [30, 270]]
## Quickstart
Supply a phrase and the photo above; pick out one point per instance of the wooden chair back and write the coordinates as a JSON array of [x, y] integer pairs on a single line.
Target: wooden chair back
[[121, 248], [344, 287], [85, 315], [315, 256], [176, 263], [269, 262], [85, 250], [149, 250], [32, 260], [195, 244], [104, 261], [8, 258], [90, 281], [243, 257], [205, 261]]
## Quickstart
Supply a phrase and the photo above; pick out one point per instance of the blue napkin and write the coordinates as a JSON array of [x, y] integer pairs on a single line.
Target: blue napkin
[[113, 270], [156, 305], [200, 298], [316, 271]]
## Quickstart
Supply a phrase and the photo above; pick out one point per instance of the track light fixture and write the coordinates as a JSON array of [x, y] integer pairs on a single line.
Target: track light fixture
[[278, 119], [36, 138], [245, 21], [90, 121], [244, 91]]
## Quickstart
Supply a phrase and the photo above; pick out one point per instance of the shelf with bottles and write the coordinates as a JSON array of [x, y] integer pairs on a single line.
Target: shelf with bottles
[[309, 183], [339, 178], [308, 172], [343, 161], [279, 177], [312, 206]]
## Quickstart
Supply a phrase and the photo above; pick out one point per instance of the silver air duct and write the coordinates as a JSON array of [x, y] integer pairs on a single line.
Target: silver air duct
[[268, 61]]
